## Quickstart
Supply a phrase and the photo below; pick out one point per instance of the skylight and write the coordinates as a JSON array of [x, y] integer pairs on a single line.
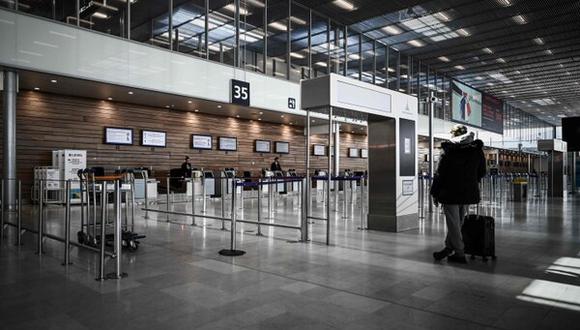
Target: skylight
[[545, 101], [432, 26]]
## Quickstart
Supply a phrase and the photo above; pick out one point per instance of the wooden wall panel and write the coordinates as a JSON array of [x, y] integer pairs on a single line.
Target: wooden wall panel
[[47, 122]]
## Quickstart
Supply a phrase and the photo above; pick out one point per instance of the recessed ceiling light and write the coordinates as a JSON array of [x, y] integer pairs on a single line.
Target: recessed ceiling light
[[505, 3], [549, 52], [487, 50], [259, 118], [343, 4], [444, 58], [261, 112], [291, 123], [237, 116], [130, 93], [282, 116], [36, 88], [416, 43], [190, 102], [520, 19], [279, 26], [500, 60], [53, 81], [392, 29], [110, 98], [219, 106], [463, 32], [167, 106], [297, 55], [313, 120], [459, 67], [539, 41], [196, 110]]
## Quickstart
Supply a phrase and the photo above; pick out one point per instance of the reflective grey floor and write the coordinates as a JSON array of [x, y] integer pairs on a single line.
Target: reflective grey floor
[[364, 280]]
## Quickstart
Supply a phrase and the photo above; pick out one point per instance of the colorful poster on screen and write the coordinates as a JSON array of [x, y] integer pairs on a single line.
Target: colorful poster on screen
[[492, 115], [465, 104]]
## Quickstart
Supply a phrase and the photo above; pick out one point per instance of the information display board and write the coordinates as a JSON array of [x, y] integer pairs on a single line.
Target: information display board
[[153, 138], [203, 142], [282, 147], [364, 153], [466, 104], [319, 150], [114, 135], [492, 115], [226, 143], [353, 153], [263, 146]]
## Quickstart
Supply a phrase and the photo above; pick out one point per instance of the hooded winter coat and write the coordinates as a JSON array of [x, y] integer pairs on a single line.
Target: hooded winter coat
[[461, 167]]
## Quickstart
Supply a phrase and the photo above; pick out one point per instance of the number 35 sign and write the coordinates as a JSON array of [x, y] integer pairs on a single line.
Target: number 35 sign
[[240, 92]]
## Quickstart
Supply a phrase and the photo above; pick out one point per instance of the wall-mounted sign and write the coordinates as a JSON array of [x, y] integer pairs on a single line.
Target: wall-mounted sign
[[115, 135], [291, 103], [282, 147], [407, 149], [240, 93], [408, 187], [319, 150], [227, 143], [262, 146], [201, 142], [364, 153], [153, 138], [353, 153]]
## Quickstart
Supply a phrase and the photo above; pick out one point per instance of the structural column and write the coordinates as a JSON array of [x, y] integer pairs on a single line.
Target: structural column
[[10, 89]]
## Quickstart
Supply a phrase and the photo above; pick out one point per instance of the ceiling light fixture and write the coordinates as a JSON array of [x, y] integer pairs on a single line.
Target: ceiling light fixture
[[444, 58], [190, 101], [279, 26], [459, 67], [443, 16], [110, 98], [463, 32], [392, 29], [100, 15], [219, 106], [487, 50], [296, 55], [539, 41], [505, 3], [346, 5], [501, 60], [549, 52], [36, 88], [130, 93], [323, 64], [53, 81], [416, 43], [232, 8], [520, 19]]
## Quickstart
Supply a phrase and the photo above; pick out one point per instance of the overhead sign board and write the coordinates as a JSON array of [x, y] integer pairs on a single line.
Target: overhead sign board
[[240, 92]]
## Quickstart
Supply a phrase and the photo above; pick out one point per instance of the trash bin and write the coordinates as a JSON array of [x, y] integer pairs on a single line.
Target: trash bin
[[520, 189]]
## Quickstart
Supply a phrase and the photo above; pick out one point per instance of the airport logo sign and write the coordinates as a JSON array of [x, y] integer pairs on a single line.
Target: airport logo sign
[[240, 92]]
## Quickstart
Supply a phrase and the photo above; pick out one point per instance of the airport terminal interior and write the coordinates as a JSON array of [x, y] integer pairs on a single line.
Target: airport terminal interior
[[268, 164]]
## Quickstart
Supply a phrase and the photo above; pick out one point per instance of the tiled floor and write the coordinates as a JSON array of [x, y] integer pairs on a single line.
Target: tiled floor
[[364, 280]]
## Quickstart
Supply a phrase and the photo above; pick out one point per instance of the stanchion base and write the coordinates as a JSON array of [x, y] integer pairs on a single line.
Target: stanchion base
[[232, 253], [359, 228], [113, 276], [259, 234], [65, 264]]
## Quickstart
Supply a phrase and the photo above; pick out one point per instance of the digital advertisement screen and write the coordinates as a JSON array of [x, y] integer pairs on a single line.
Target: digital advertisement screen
[[153, 138], [227, 143], [115, 135], [353, 152], [262, 146], [492, 115], [466, 104], [282, 147], [201, 142]]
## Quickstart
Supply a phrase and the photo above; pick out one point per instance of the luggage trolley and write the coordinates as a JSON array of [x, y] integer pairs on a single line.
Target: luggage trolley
[[89, 234]]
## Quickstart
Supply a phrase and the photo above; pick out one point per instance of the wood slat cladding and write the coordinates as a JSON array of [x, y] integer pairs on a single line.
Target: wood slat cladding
[[47, 122]]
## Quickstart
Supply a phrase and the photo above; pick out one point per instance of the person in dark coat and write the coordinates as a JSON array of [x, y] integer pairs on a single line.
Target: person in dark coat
[[186, 167], [275, 166], [456, 185]]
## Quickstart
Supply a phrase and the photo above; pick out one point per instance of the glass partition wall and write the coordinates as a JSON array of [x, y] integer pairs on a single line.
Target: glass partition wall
[[279, 38]]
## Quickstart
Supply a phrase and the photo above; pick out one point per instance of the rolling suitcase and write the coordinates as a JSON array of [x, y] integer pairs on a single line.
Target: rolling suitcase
[[479, 236]]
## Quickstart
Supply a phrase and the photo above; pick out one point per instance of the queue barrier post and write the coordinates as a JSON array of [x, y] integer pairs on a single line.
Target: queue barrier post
[[193, 202], [302, 186], [232, 251], [259, 233], [19, 215], [118, 245], [67, 192], [101, 276], [223, 202], [40, 216], [1, 210], [167, 198]]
